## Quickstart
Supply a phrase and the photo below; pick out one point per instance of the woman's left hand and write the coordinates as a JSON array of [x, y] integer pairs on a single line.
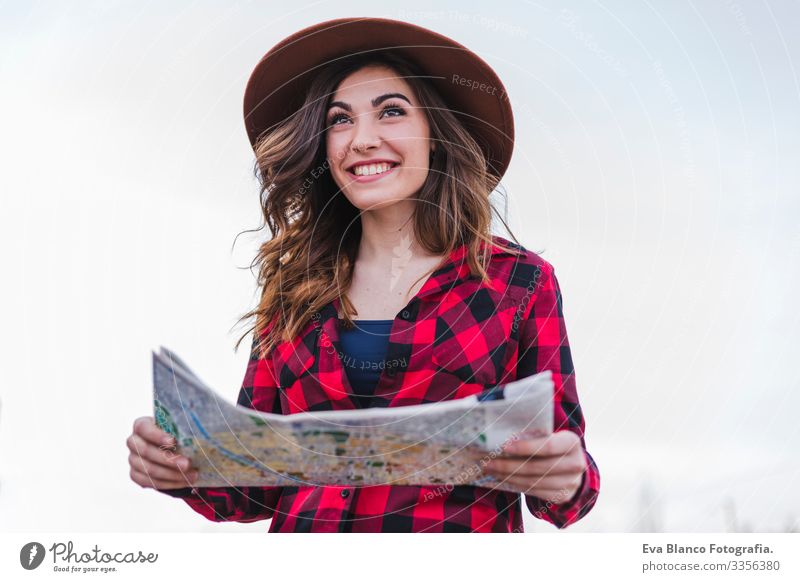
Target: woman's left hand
[[550, 468]]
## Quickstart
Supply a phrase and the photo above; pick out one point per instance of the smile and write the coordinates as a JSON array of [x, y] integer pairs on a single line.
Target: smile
[[372, 172]]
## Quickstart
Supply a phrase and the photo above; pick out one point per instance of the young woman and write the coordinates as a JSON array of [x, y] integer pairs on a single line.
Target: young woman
[[377, 146]]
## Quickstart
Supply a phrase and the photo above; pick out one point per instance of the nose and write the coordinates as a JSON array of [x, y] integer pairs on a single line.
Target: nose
[[365, 136]]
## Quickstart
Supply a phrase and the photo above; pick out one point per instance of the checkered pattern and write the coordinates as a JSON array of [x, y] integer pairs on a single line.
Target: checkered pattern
[[456, 337]]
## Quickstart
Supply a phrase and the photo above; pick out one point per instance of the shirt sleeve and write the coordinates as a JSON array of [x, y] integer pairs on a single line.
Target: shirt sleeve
[[544, 346], [243, 504]]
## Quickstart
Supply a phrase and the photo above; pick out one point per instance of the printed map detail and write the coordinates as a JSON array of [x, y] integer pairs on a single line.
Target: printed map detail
[[442, 443]]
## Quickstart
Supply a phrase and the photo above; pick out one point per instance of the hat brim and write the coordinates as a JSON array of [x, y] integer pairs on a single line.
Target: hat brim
[[469, 86]]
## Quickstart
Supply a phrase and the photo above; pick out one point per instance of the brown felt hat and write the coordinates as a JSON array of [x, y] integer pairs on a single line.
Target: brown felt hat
[[472, 90]]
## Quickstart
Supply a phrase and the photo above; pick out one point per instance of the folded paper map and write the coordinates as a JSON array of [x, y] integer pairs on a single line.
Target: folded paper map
[[439, 443]]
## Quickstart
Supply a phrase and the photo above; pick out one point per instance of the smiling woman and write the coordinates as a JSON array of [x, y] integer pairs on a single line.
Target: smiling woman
[[376, 189]]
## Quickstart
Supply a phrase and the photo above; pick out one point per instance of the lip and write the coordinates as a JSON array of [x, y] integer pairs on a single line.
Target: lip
[[372, 178]]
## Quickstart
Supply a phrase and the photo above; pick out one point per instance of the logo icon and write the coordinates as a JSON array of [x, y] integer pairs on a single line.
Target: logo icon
[[31, 555]]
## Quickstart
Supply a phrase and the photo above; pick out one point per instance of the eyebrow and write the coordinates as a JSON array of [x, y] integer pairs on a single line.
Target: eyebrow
[[375, 102]]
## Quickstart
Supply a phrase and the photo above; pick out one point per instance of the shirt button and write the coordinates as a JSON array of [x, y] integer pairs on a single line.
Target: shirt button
[[345, 493], [406, 314]]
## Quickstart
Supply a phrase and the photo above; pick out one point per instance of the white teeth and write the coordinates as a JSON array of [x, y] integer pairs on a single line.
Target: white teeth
[[370, 169]]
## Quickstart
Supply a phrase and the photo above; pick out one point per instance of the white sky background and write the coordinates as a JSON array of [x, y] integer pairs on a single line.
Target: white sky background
[[655, 166]]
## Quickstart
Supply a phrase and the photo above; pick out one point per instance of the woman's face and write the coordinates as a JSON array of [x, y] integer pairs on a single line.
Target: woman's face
[[375, 122]]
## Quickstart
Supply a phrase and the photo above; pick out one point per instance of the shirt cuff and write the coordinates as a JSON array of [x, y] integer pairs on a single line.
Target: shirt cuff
[[563, 514]]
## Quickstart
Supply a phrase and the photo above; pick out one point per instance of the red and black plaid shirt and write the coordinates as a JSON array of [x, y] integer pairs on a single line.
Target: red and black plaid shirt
[[457, 337]]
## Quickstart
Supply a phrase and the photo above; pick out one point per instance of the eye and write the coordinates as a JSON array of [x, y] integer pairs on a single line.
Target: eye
[[333, 119], [394, 107]]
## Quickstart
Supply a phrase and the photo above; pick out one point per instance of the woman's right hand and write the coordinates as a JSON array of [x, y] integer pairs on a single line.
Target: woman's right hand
[[153, 460]]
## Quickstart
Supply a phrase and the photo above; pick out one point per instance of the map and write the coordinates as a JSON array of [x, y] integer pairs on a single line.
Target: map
[[440, 443]]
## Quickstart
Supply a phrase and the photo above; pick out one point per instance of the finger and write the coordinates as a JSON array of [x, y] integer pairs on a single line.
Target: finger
[[156, 471], [553, 444], [560, 465], [145, 480], [558, 443], [154, 454], [146, 428]]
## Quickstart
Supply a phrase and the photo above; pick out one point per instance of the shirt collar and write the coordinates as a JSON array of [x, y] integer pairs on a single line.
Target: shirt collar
[[454, 269]]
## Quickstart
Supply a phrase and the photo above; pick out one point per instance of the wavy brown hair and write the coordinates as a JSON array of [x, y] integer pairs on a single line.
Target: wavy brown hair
[[316, 231]]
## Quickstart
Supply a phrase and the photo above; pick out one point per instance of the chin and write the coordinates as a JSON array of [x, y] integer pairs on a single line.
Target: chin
[[378, 200]]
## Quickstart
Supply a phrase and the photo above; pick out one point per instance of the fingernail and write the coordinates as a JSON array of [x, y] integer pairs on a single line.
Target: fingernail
[[184, 463], [169, 442]]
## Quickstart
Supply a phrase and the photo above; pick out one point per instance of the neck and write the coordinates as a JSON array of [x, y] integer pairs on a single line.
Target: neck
[[388, 233]]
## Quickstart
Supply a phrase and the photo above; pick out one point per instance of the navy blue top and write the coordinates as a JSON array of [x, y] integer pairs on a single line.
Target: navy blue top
[[364, 356]]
